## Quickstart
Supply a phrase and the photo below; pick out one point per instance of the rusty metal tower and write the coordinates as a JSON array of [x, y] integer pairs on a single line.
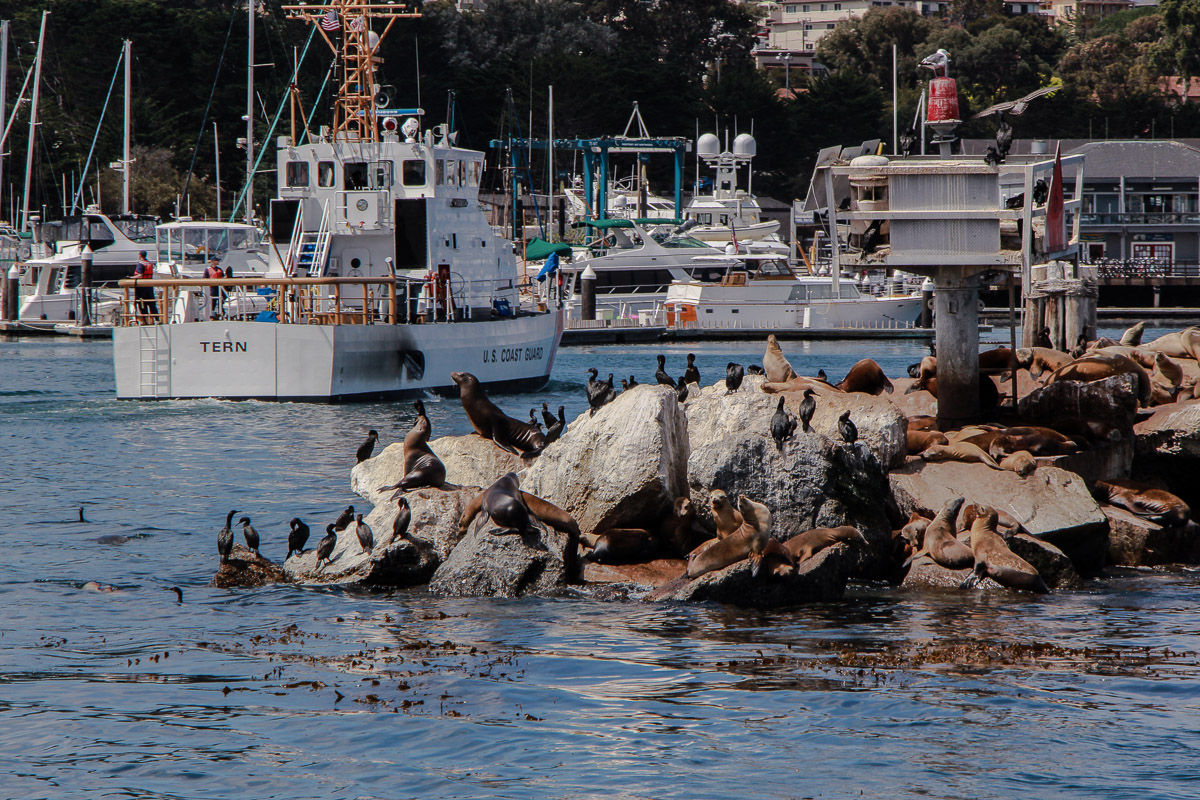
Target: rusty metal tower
[[345, 25]]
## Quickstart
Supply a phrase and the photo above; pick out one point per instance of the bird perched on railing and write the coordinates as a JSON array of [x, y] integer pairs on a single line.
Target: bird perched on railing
[[908, 142]]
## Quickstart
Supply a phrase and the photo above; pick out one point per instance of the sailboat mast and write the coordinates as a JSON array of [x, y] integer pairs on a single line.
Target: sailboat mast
[[217, 160], [3, 97], [37, 85], [126, 161], [250, 116], [550, 181]]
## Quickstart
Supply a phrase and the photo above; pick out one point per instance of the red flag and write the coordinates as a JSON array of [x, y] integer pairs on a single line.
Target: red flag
[[1056, 222]]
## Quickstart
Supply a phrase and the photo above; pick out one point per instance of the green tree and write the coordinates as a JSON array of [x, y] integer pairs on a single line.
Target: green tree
[[1181, 37]]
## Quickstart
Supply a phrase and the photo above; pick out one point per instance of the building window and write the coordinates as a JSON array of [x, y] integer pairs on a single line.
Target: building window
[[829, 27], [824, 6], [789, 9], [837, 6], [806, 9], [297, 174], [808, 27]]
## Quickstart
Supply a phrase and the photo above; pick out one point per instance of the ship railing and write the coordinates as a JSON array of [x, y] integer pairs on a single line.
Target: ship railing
[[886, 324]]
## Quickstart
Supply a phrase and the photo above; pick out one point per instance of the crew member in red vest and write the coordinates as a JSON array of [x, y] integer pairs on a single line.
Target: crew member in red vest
[[213, 270], [144, 295]]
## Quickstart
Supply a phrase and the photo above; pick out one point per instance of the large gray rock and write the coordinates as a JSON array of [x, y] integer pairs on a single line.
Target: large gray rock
[[1137, 542], [1112, 401], [1050, 503], [822, 577], [1167, 448], [1051, 562], [245, 570], [410, 561], [472, 460], [925, 573], [619, 467], [814, 481], [487, 563]]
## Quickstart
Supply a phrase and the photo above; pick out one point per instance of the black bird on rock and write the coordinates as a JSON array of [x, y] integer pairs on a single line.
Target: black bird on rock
[[547, 417], [344, 519], [992, 158], [555, 429], [847, 429], [632, 382], [533, 420], [250, 534], [225, 538], [783, 425], [1043, 339], [297, 538], [733, 377], [403, 517], [366, 448], [691, 374], [822, 377], [682, 391], [599, 393], [366, 536], [661, 375], [755, 369], [808, 407], [326, 545]]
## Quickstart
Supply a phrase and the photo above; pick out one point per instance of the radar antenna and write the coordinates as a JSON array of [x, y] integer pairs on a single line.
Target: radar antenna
[[345, 25]]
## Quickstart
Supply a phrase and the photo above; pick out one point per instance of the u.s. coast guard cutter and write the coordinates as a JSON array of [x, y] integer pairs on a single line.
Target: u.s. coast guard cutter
[[383, 277]]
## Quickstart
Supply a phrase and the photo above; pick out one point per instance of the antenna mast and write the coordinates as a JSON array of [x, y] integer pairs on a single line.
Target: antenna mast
[[345, 27]]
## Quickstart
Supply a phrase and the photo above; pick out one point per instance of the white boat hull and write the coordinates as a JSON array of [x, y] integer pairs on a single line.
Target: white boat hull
[[271, 361]]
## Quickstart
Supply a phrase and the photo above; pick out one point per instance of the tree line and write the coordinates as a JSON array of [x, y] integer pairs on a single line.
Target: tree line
[[688, 64]]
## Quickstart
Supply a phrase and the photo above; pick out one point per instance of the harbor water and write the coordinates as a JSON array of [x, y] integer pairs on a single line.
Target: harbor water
[[110, 687]]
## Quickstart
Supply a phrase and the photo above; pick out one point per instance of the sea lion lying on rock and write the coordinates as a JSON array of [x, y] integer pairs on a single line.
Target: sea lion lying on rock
[[1181, 344], [748, 541], [1145, 501], [621, 546], [513, 435], [1039, 360], [1099, 367], [1021, 462], [918, 441], [806, 545], [994, 560], [865, 376], [939, 542], [959, 451], [1006, 524]]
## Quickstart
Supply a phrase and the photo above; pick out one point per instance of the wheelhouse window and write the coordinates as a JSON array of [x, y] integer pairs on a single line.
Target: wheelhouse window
[[476, 171], [359, 175], [412, 172], [296, 174], [452, 173], [326, 174], [441, 172]]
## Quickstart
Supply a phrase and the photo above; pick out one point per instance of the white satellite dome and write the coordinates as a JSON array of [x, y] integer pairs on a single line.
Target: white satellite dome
[[744, 146], [708, 146], [410, 129]]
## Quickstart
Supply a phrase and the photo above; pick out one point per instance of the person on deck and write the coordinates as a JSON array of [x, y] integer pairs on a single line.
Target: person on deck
[[213, 270], [144, 295]]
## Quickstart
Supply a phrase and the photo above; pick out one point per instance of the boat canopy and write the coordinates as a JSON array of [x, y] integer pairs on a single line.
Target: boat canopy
[[604, 224], [659, 221], [538, 249]]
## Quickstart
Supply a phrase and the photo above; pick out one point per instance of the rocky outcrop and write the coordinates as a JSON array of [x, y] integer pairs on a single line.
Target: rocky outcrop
[[488, 563], [647, 575], [925, 573], [244, 569], [822, 577], [1137, 542], [1051, 503], [1051, 562], [408, 561], [1167, 449], [470, 460], [1111, 402], [620, 467]]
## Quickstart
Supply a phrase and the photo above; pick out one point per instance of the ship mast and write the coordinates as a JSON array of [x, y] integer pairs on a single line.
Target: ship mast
[[345, 27]]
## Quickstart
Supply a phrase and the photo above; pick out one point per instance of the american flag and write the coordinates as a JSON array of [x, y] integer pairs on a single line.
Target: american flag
[[330, 22], [358, 24]]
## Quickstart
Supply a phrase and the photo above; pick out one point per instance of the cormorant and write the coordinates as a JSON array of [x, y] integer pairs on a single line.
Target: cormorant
[[755, 369], [847, 429], [661, 374], [992, 158], [1041, 192], [908, 142], [344, 519], [1043, 339], [403, 517], [1004, 137], [547, 416], [533, 420], [632, 382], [598, 392], [822, 377], [691, 374], [556, 429], [250, 534], [808, 407], [225, 538], [783, 425], [297, 538], [366, 537], [326, 545], [682, 391], [733, 377], [366, 448]]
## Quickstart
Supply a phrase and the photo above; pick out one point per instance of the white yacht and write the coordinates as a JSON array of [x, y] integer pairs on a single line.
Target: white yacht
[[729, 214], [50, 284], [383, 274], [764, 292]]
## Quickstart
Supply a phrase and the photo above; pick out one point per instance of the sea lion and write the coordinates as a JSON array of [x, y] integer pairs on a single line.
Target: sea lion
[[1132, 336], [551, 514], [1021, 462], [1143, 357], [1039, 360], [1170, 371], [675, 528], [918, 440], [621, 546], [1145, 501], [1006, 524], [777, 561], [1034, 442], [959, 451], [989, 395], [865, 376], [776, 364], [805, 545], [422, 467], [748, 541], [907, 540], [513, 435], [994, 560], [727, 518], [1099, 367], [502, 503], [997, 361], [1180, 344], [922, 422], [939, 542]]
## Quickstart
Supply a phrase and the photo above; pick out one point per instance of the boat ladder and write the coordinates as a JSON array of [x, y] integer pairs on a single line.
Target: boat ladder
[[155, 362], [312, 248]]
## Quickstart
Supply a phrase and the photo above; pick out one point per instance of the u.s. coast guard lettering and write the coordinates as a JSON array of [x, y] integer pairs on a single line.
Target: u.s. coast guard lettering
[[508, 355], [223, 347]]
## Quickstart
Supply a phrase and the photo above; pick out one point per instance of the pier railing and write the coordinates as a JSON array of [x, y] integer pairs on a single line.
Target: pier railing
[[1146, 268]]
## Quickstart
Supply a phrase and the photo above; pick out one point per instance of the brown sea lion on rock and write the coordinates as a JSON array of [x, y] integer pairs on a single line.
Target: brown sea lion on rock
[[1034, 442], [748, 541], [1021, 462], [805, 545], [959, 451], [1145, 501], [865, 376], [503, 505], [1170, 371], [421, 466], [913, 530], [1143, 357], [1041, 359], [1099, 367], [1006, 524], [994, 560], [513, 435], [1132, 336], [997, 361], [675, 529], [727, 518], [776, 364], [776, 560], [939, 542], [1181, 344], [922, 422], [621, 546], [918, 441]]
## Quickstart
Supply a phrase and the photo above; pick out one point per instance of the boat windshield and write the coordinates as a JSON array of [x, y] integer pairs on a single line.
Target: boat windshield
[[823, 291], [679, 241], [709, 273], [139, 229], [195, 245]]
